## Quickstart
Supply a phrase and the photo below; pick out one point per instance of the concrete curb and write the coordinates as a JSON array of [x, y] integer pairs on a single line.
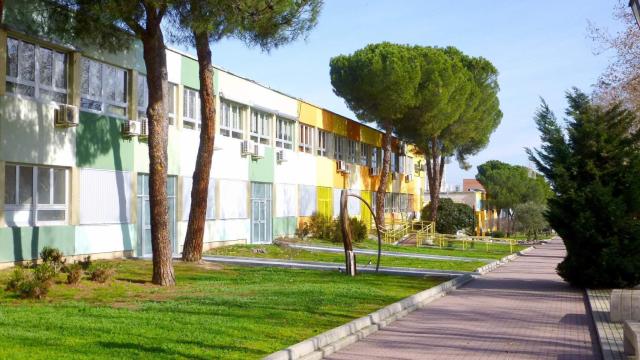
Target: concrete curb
[[496, 264], [337, 338]]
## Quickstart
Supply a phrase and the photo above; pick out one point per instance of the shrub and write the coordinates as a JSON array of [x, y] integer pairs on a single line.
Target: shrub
[[303, 231], [497, 234], [32, 284], [74, 273], [451, 216], [53, 257], [18, 275], [85, 263], [101, 272], [320, 226], [358, 230]]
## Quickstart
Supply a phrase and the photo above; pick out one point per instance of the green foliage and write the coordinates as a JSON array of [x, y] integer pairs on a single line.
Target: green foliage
[[324, 228], [31, 284], [358, 231], [52, 256], [529, 218], [497, 234], [509, 185], [101, 272], [18, 276], [74, 273], [320, 226], [593, 166], [451, 216]]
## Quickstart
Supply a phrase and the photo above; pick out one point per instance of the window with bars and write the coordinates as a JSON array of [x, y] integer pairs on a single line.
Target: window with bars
[[191, 118], [352, 151], [375, 158], [36, 71], [284, 133], [339, 147], [364, 154], [260, 129], [401, 164], [103, 88], [143, 96], [306, 139], [35, 195], [231, 119], [171, 105], [322, 143]]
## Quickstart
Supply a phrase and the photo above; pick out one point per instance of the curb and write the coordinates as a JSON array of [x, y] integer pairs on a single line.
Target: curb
[[337, 338], [496, 264]]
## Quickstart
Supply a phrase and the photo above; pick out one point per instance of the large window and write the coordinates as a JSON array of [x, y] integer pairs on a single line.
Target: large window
[[143, 96], [231, 119], [306, 139], [364, 154], [376, 161], [191, 109], [103, 88], [339, 147], [171, 106], [36, 71], [284, 133], [260, 130], [35, 195], [322, 144]]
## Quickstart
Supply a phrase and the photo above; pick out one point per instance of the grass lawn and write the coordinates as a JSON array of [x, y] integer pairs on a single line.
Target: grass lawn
[[215, 312], [277, 252], [479, 250]]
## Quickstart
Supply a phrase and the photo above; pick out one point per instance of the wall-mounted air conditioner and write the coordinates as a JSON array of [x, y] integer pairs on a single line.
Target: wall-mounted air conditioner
[[131, 128], [341, 167], [282, 156], [259, 151], [395, 175], [374, 171], [247, 147], [408, 178], [66, 115]]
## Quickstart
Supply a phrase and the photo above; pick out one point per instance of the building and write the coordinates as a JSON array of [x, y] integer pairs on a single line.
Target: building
[[83, 187], [474, 195]]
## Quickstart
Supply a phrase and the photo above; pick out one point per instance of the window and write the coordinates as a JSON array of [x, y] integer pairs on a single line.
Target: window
[[339, 147], [103, 88], [35, 194], [306, 139], [284, 133], [364, 154], [410, 167], [36, 71], [231, 120], [171, 105], [375, 157], [191, 109], [352, 151], [260, 130], [388, 202], [143, 96], [322, 144], [401, 164]]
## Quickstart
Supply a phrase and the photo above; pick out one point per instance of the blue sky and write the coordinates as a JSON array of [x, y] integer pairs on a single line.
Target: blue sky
[[540, 47]]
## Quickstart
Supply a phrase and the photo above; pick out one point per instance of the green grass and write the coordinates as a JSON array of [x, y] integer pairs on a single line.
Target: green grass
[[453, 248], [277, 252], [213, 313]]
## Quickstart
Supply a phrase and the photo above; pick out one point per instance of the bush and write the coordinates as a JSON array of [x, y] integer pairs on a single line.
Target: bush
[[45, 272], [18, 275], [320, 227], [358, 230], [32, 284], [101, 272], [303, 231], [497, 234], [324, 228], [53, 257], [85, 263], [74, 273], [451, 216]]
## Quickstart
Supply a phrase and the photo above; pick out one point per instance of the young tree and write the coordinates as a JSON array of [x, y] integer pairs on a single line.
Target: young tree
[[107, 24], [457, 111], [378, 83], [202, 22], [529, 218], [593, 166], [451, 216]]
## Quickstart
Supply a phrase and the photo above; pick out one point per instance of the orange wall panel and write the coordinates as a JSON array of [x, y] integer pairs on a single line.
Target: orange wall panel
[[353, 130]]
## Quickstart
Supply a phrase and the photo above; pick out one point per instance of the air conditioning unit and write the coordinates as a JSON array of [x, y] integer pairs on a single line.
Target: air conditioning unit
[[341, 167], [247, 147], [281, 156], [408, 178], [131, 128], [374, 171], [144, 127], [66, 115], [259, 151], [395, 175]]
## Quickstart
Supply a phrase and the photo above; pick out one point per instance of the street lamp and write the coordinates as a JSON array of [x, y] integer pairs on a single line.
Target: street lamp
[[635, 7]]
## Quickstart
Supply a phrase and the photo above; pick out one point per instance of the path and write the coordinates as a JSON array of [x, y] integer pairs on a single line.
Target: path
[[522, 310]]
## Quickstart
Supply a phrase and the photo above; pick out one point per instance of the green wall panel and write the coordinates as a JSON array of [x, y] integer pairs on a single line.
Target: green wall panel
[[261, 170], [189, 73], [100, 145], [284, 226], [25, 243]]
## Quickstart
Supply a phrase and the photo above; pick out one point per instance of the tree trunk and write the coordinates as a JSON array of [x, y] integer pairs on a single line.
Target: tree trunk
[[156, 63], [384, 175], [435, 169], [192, 250], [345, 228]]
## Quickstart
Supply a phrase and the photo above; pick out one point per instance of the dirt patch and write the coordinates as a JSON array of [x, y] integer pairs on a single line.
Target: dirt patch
[[125, 305], [206, 265]]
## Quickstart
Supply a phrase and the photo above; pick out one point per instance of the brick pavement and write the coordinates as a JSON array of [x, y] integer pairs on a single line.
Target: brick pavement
[[522, 310]]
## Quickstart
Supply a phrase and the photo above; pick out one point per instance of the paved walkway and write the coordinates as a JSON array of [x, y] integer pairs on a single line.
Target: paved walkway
[[522, 310]]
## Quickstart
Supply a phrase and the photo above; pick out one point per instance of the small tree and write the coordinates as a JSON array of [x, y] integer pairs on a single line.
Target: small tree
[[529, 218], [593, 166], [451, 216]]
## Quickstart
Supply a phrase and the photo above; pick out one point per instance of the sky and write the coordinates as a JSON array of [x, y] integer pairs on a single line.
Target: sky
[[540, 48]]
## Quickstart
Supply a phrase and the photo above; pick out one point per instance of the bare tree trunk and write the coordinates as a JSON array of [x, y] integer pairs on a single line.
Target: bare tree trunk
[[156, 63], [435, 169], [345, 228], [384, 175], [193, 242]]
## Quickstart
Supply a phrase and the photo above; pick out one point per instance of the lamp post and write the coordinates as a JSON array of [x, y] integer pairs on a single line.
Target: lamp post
[[635, 7]]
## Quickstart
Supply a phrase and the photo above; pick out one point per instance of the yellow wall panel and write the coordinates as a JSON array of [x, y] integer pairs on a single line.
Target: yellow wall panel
[[339, 124], [325, 201], [370, 136], [365, 214], [327, 121], [310, 114], [325, 170], [353, 130]]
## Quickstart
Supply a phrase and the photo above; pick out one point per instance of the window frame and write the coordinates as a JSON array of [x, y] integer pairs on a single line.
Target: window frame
[[260, 136], [142, 109], [305, 142], [36, 83], [365, 154], [339, 147], [285, 128], [105, 104], [230, 130], [34, 206], [173, 101], [194, 123]]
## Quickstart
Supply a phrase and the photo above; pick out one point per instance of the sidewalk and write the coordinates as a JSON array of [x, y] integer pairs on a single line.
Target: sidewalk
[[522, 310]]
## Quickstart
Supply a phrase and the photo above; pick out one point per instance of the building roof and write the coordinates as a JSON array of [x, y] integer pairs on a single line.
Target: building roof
[[472, 185]]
